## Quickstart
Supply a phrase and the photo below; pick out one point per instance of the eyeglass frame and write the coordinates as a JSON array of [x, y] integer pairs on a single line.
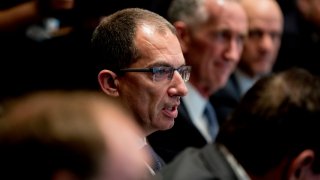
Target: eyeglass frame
[[169, 73]]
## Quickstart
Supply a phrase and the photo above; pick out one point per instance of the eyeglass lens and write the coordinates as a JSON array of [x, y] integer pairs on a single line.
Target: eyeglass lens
[[161, 73]]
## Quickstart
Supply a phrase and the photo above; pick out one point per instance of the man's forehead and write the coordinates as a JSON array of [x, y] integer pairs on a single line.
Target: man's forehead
[[217, 9], [146, 29]]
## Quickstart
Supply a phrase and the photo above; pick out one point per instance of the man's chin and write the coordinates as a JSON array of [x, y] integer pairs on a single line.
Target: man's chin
[[168, 126]]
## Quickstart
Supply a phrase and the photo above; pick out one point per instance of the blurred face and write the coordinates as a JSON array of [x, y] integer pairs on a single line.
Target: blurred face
[[154, 103], [62, 4], [125, 159], [264, 38], [315, 12], [213, 48]]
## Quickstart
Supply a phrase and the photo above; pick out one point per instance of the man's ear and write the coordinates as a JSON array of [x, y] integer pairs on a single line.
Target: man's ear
[[183, 34], [301, 166], [108, 82]]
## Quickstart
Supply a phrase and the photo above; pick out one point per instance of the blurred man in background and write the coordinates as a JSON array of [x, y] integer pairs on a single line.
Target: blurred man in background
[[258, 57]]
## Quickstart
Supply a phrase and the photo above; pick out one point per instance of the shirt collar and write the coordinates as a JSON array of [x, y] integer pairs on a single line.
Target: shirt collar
[[142, 142], [194, 102], [245, 82]]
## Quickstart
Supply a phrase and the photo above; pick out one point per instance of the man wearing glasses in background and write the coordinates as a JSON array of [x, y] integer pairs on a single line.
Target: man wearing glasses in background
[[211, 34], [143, 65]]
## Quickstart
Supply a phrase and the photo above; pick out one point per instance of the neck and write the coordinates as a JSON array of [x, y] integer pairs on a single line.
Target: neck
[[203, 89]]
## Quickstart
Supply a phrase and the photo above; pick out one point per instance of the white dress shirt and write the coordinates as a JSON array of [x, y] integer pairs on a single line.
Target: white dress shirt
[[195, 105], [244, 81]]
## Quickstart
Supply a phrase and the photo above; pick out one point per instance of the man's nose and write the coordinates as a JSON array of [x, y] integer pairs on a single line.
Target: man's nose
[[178, 86], [266, 42], [233, 51]]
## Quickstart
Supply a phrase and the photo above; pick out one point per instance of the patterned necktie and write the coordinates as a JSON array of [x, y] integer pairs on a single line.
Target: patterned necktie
[[213, 124], [157, 163]]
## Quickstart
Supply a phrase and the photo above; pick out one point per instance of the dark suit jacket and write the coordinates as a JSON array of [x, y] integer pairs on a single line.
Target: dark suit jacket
[[198, 164], [226, 99], [183, 134]]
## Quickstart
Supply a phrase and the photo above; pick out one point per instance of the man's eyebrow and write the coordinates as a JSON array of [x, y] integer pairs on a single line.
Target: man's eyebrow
[[160, 64]]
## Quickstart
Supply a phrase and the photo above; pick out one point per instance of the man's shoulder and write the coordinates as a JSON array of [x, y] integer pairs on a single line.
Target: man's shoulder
[[193, 163]]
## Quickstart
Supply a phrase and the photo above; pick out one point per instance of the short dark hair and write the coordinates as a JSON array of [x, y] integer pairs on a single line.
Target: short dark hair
[[113, 38], [278, 118]]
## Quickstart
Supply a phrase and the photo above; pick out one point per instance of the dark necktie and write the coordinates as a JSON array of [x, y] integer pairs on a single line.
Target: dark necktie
[[157, 162], [213, 125]]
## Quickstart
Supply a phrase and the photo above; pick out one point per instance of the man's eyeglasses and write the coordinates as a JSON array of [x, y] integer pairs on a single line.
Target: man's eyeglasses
[[163, 72]]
